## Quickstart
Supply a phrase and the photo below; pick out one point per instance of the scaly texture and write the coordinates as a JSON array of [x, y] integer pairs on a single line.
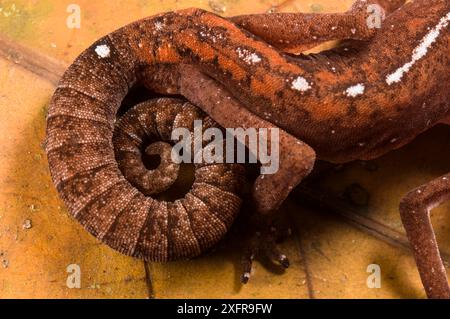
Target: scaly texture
[[358, 101], [114, 211]]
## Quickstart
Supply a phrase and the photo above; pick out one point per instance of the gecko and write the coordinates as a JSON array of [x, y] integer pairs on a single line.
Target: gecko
[[372, 94]]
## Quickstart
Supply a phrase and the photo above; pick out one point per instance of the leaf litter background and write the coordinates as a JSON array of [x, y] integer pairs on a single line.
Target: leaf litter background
[[343, 219]]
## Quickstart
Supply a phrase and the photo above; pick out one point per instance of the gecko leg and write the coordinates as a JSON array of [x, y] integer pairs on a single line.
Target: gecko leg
[[262, 243], [415, 213], [298, 32], [295, 161]]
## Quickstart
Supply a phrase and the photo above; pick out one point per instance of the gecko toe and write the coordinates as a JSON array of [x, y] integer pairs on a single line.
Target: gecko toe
[[263, 244], [245, 277], [284, 261]]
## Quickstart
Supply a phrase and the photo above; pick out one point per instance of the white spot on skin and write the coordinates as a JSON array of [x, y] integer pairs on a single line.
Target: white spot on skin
[[102, 50], [254, 58], [355, 90], [159, 26], [248, 56], [267, 115], [300, 84], [419, 52], [27, 224]]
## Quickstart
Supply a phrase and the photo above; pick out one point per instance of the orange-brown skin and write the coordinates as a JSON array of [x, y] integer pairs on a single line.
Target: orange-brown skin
[[333, 124], [345, 104]]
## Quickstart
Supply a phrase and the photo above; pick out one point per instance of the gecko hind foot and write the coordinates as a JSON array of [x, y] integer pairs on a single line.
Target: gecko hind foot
[[264, 244]]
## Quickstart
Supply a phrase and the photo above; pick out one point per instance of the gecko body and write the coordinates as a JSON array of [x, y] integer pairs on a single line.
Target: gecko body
[[375, 93]]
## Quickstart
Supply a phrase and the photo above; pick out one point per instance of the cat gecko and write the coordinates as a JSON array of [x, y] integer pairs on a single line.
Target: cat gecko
[[372, 94]]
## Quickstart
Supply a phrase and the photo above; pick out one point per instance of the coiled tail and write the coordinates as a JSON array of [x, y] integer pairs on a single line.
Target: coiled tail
[[84, 169]]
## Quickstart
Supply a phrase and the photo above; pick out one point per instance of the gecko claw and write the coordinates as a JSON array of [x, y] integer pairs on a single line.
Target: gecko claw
[[284, 261], [245, 277], [263, 244]]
